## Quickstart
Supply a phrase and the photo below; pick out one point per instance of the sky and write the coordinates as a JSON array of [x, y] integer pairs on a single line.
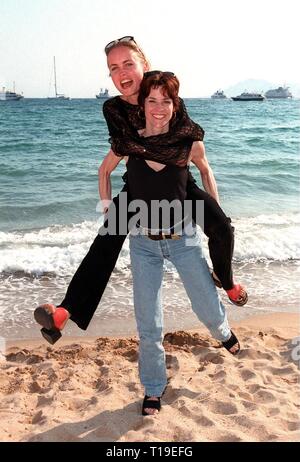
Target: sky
[[210, 45]]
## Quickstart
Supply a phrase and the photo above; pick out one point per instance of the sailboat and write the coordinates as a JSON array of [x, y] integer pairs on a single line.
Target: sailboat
[[60, 96]]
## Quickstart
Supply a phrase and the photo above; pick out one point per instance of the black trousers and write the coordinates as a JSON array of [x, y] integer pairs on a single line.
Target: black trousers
[[89, 282]]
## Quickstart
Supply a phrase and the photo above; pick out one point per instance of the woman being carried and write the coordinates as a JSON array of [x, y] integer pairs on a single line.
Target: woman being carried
[[127, 64]]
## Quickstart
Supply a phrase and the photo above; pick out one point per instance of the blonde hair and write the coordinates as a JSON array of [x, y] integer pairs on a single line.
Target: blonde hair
[[132, 45]]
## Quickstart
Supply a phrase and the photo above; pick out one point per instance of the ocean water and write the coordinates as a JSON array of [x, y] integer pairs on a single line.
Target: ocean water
[[49, 156]]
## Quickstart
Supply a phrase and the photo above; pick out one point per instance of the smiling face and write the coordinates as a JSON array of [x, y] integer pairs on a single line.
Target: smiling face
[[126, 70], [159, 109]]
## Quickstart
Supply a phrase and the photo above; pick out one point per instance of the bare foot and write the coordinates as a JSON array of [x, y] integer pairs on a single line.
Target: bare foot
[[234, 349]]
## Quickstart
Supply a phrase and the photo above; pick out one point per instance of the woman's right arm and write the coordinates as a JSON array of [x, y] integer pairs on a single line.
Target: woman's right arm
[[107, 166], [198, 157]]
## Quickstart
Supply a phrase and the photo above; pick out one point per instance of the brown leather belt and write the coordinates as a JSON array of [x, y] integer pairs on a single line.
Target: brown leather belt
[[161, 236]]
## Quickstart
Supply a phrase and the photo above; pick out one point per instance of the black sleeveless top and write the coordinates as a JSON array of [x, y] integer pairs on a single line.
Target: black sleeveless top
[[153, 186]]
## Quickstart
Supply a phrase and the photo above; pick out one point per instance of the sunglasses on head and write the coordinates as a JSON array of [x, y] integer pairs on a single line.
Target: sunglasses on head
[[164, 74], [127, 38]]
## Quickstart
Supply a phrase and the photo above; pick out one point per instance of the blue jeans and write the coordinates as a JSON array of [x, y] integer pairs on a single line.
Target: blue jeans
[[147, 257]]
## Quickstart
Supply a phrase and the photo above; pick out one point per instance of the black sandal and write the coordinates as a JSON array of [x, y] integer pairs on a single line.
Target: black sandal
[[150, 404], [230, 343]]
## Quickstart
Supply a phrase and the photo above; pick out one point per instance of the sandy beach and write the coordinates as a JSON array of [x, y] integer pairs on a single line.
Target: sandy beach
[[87, 389]]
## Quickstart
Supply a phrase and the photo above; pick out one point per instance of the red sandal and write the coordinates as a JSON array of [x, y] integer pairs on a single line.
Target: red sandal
[[52, 321], [237, 295]]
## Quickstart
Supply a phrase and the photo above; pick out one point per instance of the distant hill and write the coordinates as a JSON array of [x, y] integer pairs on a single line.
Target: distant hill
[[255, 85]]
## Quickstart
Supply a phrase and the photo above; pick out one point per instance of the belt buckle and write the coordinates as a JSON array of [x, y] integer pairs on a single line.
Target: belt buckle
[[172, 236], [163, 236]]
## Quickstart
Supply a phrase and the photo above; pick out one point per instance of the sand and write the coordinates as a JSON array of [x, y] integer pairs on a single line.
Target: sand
[[88, 389]]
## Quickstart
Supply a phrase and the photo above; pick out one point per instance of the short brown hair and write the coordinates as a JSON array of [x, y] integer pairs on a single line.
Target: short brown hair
[[168, 83]]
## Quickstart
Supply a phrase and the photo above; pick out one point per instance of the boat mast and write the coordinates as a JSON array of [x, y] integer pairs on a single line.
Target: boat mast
[[55, 85]]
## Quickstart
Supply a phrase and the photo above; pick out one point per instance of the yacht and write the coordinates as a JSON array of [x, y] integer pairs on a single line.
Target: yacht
[[6, 95], [219, 95], [280, 92], [248, 97], [103, 94], [59, 96]]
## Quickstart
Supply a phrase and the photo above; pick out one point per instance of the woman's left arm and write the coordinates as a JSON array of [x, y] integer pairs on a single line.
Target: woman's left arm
[[199, 158], [108, 164]]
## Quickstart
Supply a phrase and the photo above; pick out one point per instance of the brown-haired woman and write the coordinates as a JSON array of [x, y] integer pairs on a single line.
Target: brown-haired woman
[[151, 182]]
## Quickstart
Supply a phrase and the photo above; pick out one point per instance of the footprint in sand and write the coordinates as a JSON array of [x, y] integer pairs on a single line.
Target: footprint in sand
[[249, 405], [263, 396], [172, 363], [102, 385], [38, 418], [44, 401], [281, 370], [214, 358], [104, 371], [273, 411], [245, 395], [131, 355], [243, 421], [193, 413], [35, 387], [204, 421], [226, 437], [253, 388], [251, 353], [219, 376], [133, 387], [293, 426], [24, 356], [221, 407], [248, 374]]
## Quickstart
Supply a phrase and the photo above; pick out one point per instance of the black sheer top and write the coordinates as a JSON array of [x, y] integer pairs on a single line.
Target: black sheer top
[[124, 120], [157, 187]]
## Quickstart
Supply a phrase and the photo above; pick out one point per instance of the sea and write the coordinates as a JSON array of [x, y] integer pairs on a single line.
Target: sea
[[50, 152]]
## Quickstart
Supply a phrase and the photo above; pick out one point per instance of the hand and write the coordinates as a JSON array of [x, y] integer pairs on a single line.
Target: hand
[[104, 205]]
